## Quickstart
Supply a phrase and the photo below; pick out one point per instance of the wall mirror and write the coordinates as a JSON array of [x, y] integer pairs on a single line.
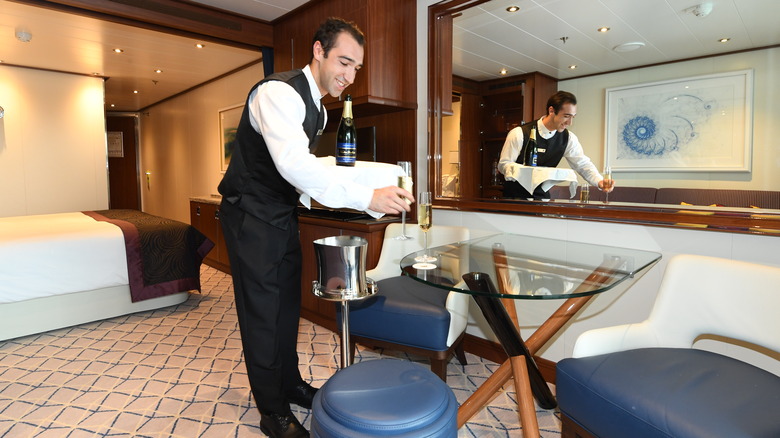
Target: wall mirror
[[465, 155]]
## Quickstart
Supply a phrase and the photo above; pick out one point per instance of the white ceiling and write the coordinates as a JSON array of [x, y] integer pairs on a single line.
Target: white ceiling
[[77, 44], [486, 39]]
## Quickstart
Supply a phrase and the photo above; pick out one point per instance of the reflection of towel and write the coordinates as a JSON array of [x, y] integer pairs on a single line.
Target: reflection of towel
[[367, 173], [449, 185], [531, 177]]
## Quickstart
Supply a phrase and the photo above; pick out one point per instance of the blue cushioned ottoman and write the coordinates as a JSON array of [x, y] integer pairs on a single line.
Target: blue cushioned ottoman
[[386, 397], [413, 312], [669, 392]]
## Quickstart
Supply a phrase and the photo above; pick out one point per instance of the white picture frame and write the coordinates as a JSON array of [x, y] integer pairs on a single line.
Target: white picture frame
[[694, 124]]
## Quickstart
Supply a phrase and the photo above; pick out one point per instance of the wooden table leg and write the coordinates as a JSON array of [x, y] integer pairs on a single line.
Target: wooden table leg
[[484, 394], [505, 330], [525, 398]]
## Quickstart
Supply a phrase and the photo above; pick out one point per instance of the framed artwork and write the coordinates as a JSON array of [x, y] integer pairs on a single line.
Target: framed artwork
[[228, 124], [696, 124], [116, 145]]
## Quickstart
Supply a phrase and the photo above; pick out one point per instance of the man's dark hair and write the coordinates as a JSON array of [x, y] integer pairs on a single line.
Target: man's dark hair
[[559, 99], [330, 30]]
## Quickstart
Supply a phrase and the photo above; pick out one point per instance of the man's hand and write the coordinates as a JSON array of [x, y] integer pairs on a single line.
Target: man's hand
[[390, 200], [607, 185]]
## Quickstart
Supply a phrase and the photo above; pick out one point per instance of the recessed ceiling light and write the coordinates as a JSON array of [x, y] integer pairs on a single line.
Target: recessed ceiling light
[[701, 10], [503, 71], [513, 9], [118, 50], [135, 91], [23, 36], [628, 47], [200, 45], [572, 67], [158, 71], [603, 29], [112, 105], [724, 40]]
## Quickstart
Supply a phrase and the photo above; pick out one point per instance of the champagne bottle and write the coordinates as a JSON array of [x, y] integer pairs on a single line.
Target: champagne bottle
[[531, 149], [346, 136]]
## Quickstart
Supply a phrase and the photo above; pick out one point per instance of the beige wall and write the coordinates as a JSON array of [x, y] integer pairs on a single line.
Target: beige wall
[[591, 109], [52, 143], [180, 144]]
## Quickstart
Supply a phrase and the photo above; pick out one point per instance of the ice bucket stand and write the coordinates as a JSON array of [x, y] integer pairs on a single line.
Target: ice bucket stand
[[341, 276]]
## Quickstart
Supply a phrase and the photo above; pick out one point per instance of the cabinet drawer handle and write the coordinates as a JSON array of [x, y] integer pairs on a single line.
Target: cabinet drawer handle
[[197, 211], [216, 215]]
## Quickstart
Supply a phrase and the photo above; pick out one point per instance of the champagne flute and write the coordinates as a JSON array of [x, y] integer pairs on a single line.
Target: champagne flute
[[405, 182], [425, 220], [607, 182]]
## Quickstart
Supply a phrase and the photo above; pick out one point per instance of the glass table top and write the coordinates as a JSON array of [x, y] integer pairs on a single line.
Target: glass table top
[[529, 267]]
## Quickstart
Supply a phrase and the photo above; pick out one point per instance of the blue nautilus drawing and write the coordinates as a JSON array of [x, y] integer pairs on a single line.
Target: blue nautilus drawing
[[663, 125]]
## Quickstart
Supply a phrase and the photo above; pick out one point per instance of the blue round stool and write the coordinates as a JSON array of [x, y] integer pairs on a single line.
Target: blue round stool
[[384, 397]]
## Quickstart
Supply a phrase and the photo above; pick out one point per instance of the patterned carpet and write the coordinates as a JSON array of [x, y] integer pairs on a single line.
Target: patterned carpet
[[179, 372]]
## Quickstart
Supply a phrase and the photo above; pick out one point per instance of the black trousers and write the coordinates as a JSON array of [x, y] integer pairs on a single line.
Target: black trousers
[[266, 265]]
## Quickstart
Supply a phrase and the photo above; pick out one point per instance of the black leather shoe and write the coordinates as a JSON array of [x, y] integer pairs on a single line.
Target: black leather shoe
[[282, 426], [302, 395]]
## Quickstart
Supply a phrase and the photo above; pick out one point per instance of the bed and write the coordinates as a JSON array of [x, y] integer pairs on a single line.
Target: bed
[[64, 269]]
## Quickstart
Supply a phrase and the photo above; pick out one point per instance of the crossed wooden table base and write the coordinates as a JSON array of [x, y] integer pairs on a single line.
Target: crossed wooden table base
[[502, 318], [588, 269]]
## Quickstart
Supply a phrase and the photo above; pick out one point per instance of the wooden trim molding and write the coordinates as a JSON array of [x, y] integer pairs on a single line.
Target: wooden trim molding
[[176, 17], [714, 219]]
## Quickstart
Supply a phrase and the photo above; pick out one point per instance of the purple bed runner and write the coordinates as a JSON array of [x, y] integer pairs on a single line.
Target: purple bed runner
[[163, 255]]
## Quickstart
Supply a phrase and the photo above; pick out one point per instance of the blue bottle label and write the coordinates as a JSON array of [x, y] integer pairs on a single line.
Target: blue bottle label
[[346, 153]]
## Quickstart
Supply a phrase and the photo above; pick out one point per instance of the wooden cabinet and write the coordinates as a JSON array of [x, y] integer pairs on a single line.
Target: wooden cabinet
[[491, 180], [386, 82], [316, 309], [204, 216], [508, 103], [515, 101]]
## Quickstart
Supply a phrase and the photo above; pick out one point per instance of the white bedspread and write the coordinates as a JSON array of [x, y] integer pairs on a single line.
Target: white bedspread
[[60, 253]]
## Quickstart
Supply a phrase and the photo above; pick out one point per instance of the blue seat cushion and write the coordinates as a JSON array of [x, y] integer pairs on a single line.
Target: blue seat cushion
[[384, 397], [669, 392], [404, 311]]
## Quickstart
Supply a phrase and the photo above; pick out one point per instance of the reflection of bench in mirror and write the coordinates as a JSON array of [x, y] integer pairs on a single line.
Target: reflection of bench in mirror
[[643, 195], [679, 196]]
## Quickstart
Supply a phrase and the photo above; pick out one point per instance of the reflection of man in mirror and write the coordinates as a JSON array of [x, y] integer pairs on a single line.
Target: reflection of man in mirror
[[554, 142]]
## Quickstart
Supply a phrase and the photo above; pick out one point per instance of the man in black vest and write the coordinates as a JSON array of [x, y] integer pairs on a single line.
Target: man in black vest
[[554, 142], [270, 167]]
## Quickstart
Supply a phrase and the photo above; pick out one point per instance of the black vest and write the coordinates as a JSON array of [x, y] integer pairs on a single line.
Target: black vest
[[550, 153], [251, 181]]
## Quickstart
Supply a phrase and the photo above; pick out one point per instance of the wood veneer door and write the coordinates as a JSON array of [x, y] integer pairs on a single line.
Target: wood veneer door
[[123, 173]]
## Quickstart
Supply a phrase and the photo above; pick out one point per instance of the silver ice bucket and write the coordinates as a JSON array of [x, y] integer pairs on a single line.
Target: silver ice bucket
[[341, 269]]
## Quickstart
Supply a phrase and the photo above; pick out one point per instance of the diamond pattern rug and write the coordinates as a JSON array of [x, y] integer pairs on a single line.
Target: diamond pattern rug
[[179, 372]]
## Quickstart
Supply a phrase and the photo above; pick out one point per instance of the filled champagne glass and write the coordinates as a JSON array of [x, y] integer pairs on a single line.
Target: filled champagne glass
[[425, 220], [608, 183], [405, 182]]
